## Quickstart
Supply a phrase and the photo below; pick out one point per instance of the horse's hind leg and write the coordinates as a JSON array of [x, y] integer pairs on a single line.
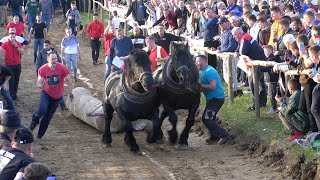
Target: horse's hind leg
[[108, 115], [163, 115], [183, 141], [129, 138]]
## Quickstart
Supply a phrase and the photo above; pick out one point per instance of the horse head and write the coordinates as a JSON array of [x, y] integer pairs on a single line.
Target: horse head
[[137, 69], [181, 62]]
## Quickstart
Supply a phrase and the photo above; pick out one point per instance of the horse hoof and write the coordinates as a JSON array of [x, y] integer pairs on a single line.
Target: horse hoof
[[183, 147], [107, 145], [137, 152]]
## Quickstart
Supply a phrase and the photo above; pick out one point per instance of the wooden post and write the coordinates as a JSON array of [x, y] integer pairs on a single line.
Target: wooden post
[[125, 28], [230, 79], [89, 9], [101, 15], [256, 90]]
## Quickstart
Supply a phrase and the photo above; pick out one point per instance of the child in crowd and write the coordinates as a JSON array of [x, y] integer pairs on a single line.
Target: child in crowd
[[272, 85], [296, 122], [73, 18], [115, 19]]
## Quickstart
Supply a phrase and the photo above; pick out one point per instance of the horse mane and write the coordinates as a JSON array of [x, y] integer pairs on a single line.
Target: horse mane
[[179, 52], [136, 57]]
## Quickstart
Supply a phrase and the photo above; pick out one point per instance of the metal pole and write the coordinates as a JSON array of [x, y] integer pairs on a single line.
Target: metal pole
[[256, 90], [230, 79]]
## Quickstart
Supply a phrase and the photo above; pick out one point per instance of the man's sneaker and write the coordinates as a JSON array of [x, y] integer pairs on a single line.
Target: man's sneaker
[[75, 79], [32, 126], [272, 111], [223, 140], [63, 107], [94, 63], [251, 108], [296, 135], [211, 140]]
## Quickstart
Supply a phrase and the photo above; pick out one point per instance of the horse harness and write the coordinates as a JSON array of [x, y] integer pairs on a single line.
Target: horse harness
[[128, 93]]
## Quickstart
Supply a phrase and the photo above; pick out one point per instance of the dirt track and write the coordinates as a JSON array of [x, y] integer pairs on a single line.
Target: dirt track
[[73, 149]]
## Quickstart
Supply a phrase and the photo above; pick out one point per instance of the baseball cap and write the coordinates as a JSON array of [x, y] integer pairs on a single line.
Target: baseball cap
[[10, 119], [223, 20], [23, 136]]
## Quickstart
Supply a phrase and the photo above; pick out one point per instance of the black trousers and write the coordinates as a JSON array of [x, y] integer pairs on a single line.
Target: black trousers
[[306, 101], [95, 46], [14, 80], [212, 59]]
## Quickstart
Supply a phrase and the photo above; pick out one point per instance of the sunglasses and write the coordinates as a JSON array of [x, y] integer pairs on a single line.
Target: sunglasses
[[12, 33]]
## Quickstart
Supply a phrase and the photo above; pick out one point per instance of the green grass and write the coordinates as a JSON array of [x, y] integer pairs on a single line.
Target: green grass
[[268, 127]]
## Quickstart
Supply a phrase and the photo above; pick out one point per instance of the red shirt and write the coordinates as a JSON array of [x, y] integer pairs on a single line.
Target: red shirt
[[19, 27], [107, 41], [11, 53], [53, 79], [153, 57], [95, 29]]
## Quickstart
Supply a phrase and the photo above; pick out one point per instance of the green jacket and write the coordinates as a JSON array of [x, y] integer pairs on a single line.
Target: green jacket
[[292, 105]]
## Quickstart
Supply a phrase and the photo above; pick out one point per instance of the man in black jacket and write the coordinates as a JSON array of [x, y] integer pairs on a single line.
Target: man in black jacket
[[164, 39], [139, 12]]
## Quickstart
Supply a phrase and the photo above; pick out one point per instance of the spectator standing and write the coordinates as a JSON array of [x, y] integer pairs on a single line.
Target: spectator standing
[[109, 34], [229, 44], [10, 122], [16, 8], [73, 18], [182, 11], [309, 19], [157, 54], [40, 34], [210, 30], [273, 78], [233, 7], [19, 26], [168, 16], [120, 46], [164, 39], [137, 38], [17, 157], [95, 31], [296, 25], [214, 93], [275, 30], [315, 106], [51, 79], [5, 76], [70, 51], [12, 51], [32, 9], [264, 32], [20, 39], [308, 4], [47, 12], [3, 12], [251, 48], [139, 12]]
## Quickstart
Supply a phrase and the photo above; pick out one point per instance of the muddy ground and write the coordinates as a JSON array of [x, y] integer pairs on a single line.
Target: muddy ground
[[73, 149]]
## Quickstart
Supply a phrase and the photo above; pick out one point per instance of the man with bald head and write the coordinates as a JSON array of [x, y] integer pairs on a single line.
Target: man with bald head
[[137, 38]]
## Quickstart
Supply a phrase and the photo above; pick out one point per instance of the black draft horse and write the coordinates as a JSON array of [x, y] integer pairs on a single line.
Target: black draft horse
[[178, 88], [133, 96]]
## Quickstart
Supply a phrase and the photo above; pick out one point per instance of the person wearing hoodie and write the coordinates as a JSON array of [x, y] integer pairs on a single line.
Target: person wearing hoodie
[[47, 12]]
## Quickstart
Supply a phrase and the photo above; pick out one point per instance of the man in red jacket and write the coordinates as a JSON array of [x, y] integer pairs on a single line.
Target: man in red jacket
[[12, 51], [95, 32]]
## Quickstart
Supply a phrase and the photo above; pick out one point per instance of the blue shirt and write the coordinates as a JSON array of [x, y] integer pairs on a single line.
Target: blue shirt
[[120, 47], [210, 29], [70, 44], [209, 74]]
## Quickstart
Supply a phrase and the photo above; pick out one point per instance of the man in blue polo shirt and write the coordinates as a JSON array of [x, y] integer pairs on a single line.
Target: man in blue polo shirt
[[214, 93]]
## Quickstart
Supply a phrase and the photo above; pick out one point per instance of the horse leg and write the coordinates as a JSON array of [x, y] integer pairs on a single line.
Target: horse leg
[[156, 128], [163, 115], [108, 115], [173, 134], [129, 138], [183, 141]]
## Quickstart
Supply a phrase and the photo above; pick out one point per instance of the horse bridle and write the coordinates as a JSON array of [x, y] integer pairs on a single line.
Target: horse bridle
[[143, 75], [182, 67]]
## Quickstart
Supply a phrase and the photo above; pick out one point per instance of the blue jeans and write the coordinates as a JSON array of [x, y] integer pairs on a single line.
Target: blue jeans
[[38, 44], [47, 108], [209, 118], [31, 20], [72, 58], [17, 12], [8, 98], [108, 68], [46, 18]]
